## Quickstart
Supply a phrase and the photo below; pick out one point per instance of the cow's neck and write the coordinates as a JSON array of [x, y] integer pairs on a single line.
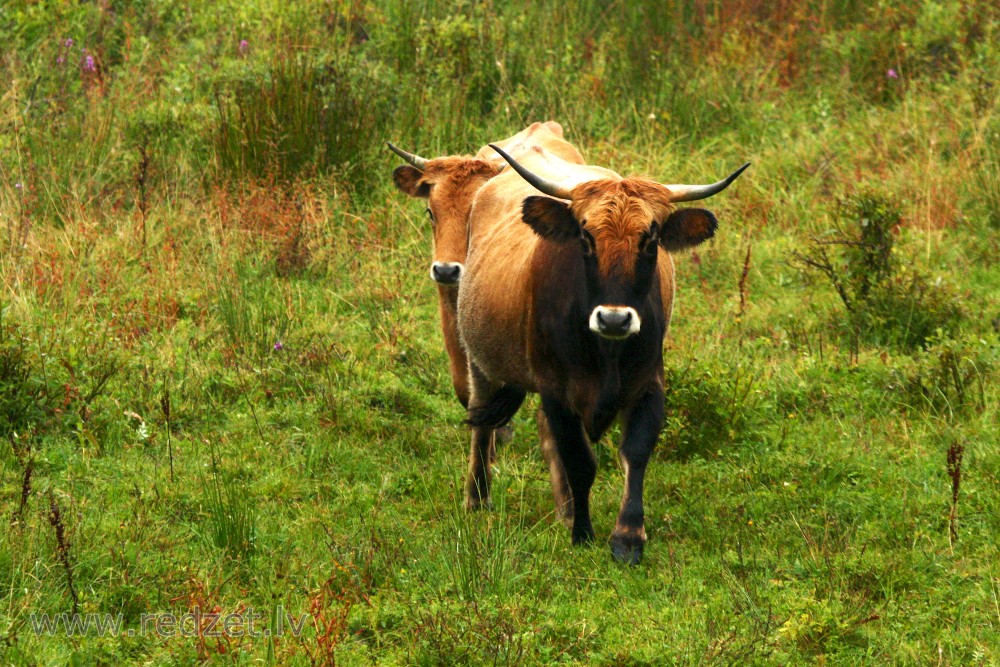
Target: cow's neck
[[448, 296], [609, 389]]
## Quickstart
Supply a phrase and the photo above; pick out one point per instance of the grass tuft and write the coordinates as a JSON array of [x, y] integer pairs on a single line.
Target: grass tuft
[[232, 516]]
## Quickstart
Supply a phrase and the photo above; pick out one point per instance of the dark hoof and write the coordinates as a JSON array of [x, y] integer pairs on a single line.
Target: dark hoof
[[473, 502], [565, 514], [476, 504], [627, 548], [583, 536]]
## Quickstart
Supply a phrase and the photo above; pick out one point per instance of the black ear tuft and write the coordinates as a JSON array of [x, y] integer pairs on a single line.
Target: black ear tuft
[[687, 228], [550, 218], [410, 181]]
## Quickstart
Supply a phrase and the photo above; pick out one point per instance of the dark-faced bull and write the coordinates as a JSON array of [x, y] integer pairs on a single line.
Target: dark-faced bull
[[569, 295]]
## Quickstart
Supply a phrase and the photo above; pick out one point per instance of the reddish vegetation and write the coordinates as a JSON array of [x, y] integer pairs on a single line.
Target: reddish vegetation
[[276, 218]]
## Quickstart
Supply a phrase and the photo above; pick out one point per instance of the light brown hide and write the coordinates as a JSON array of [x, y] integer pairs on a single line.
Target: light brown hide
[[450, 185]]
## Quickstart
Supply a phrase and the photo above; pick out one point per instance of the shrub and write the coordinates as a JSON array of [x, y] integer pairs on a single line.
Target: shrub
[[709, 403], [949, 377], [909, 311], [23, 390], [886, 303]]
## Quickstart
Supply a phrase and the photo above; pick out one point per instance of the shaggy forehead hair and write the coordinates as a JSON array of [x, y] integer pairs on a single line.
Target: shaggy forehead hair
[[458, 169], [618, 214]]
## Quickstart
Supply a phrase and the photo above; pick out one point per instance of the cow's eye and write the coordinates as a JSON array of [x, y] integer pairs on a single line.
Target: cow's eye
[[648, 245], [430, 213], [649, 240], [587, 241]]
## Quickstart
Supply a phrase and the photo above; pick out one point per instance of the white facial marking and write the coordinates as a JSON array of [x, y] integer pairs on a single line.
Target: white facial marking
[[603, 321]]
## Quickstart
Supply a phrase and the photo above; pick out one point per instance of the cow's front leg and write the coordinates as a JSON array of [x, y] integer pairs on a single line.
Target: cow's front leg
[[577, 460], [458, 360], [643, 421]]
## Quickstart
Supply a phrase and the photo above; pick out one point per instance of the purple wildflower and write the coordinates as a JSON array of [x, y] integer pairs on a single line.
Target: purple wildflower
[[279, 346], [60, 60], [892, 74], [68, 43], [244, 45], [19, 185], [88, 64]]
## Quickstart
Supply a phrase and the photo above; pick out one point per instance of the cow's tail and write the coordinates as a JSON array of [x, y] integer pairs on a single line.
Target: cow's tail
[[499, 410]]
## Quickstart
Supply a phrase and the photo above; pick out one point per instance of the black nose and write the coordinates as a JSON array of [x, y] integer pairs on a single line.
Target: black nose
[[614, 321], [447, 274]]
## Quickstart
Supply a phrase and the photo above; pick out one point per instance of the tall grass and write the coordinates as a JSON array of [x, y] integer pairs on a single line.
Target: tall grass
[[987, 180], [303, 118], [255, 319], [484, 554], [232, 516]]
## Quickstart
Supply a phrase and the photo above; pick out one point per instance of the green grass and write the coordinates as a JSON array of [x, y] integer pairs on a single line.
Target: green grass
[[801, 507]]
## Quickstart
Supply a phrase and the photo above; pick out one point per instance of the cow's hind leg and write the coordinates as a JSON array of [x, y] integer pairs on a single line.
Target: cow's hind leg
[[490, 407], [577, 460], [561, 492], [643, 421]]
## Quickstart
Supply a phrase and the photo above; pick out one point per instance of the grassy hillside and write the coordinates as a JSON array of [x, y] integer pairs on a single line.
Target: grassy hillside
[[223, 386]]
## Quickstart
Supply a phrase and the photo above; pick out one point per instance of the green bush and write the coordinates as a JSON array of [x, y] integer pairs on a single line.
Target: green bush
[[908, 311], [709, 403], [948, 378], [23, 389], [887, 303]]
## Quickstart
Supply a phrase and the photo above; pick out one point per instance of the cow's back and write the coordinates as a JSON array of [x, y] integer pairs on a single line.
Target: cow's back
[[547, 136]]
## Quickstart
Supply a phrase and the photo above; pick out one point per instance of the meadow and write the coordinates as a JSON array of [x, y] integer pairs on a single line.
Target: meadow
[[223, 387]]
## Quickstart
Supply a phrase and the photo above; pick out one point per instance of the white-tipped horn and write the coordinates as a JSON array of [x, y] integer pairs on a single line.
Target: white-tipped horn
[[681, 192], [417, 161], [543, 184]]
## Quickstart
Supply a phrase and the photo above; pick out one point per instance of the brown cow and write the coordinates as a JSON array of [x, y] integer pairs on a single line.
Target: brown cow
[[449, 185], [569, 296]]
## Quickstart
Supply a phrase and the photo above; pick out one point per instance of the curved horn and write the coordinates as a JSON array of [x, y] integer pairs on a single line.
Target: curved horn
[[548, 187], [417, 161], [680, 192]]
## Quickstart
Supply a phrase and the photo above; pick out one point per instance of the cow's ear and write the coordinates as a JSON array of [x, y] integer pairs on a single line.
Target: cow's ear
[[411, 181], [687, 228], [550, 218], [554, 127]]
